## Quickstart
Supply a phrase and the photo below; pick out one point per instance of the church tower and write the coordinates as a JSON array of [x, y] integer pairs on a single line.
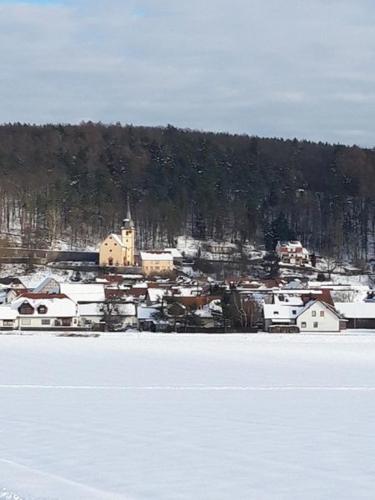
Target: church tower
[[128, 239]]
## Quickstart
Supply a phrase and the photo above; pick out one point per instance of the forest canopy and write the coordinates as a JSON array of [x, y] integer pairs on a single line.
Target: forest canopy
[[72, 182]]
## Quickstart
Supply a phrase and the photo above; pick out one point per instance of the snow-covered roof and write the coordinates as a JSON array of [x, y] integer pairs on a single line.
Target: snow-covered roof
[[164, 256], [184, 291], [156, 294], [359, 310], [215, 306], [117, 239], [57, 307], [146, 313], [205, 312], [83, 292], [289, 300], [45, 281], [127, 309], [320, 304], [176, 254], [280, 312], [90, 309]]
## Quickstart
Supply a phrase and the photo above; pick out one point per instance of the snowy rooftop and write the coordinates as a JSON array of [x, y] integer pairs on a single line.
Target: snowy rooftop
[[163, 256], [56, 307], [278, 312], [176, 254], [83, 292], [360, 310]]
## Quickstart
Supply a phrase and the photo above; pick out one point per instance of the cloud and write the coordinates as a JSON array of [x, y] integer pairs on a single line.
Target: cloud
[[291, 68]]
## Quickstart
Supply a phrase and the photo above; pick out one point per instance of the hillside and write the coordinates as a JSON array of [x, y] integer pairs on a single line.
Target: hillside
[[72, 182]]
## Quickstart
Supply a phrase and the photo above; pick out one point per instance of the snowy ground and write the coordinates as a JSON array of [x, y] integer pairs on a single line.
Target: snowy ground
[[187, 417]]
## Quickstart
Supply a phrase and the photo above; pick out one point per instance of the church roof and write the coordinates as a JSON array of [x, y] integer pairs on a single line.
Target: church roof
[[117, 239]]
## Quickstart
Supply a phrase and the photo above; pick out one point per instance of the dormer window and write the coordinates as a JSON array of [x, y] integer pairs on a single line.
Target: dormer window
[[42, 309], [26, 308]]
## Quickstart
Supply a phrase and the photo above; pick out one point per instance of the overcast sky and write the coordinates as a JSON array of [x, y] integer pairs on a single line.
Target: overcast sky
[[285, 68]]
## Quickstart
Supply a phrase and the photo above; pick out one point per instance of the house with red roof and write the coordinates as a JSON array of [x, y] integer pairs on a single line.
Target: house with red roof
[[292, 252]]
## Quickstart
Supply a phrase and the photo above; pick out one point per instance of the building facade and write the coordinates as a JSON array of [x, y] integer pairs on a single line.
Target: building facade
[[156, 262], [118, 250], [292, 252]]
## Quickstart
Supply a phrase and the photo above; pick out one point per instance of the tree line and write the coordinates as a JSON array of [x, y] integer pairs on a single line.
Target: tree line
[[72, 182]]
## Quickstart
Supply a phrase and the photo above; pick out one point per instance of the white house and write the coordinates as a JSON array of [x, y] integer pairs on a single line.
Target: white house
[[124, 311], [8, 318], [45, 311], [276, 314], [319, 317], [90, 313], [283, 311]]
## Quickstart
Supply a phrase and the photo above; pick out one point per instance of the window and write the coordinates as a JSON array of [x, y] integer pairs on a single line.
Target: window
[[25, 321], [42, 309], [316, 324], [322, 314], [313, 314], [26, 308], [294, 311], [276, 313], [8, 322], [46, 322], [303, 324]]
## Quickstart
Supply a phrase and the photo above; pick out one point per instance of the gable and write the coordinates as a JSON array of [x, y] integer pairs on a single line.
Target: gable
[[113, 240], [318, 306]]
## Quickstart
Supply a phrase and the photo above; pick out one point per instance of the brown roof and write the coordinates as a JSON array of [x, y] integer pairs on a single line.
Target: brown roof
[[137, 292], [196, 302], [115, 293], [272, 282], [114, 278], [325, 296], [41, 296]]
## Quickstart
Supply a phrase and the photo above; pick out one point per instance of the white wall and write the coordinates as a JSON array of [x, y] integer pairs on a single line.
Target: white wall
[[329, 323], [37, 322]]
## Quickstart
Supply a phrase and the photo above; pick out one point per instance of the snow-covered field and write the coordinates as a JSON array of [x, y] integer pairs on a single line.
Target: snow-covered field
[[187, 417]]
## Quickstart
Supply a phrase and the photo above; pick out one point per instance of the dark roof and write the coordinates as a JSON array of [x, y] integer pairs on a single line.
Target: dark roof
[[41, 296]]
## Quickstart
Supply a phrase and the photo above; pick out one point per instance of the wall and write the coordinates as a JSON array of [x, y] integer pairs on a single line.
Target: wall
[[157, 266], [110, 248], [328, 323]]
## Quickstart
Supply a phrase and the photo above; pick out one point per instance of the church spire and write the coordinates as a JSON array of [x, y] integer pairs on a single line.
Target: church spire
[[128, 221]]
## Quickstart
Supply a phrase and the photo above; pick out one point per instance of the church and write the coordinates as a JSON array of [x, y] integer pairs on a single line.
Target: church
[[118, 250]]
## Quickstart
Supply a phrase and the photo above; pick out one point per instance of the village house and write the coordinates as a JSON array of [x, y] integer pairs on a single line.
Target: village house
[[44, 311], [292, 252], [359, 314], [156, 262], [320, 317]]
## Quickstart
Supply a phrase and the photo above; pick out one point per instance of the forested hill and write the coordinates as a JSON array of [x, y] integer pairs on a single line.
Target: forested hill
[[72, 182]]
